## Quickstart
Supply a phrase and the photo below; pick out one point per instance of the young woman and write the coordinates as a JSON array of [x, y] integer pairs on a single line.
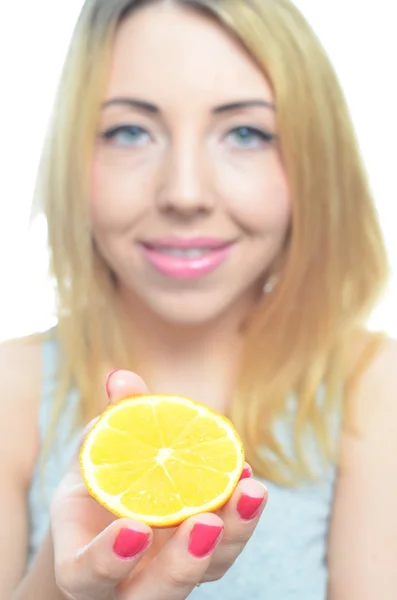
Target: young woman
[[211, 229]]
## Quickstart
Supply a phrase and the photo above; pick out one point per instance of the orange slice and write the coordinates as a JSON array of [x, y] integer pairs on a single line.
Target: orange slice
[[161, 459]]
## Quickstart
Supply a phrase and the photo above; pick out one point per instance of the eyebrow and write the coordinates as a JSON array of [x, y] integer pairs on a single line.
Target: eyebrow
[[153, 109], [133, 103], [243, 104]]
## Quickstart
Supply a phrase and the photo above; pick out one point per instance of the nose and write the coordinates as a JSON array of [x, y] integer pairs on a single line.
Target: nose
[[185, 189]]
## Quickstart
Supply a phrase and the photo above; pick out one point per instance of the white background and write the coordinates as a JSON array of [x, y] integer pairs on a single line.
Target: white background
[[360, 38]]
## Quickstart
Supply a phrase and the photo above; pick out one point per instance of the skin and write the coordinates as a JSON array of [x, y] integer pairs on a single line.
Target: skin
[[193, 171], [189, 177]]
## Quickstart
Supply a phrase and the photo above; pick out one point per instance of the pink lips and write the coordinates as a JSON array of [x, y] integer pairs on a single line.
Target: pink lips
[[191, 265]]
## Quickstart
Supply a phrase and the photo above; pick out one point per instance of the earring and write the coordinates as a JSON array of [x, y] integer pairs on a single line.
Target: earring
[[270, 284]]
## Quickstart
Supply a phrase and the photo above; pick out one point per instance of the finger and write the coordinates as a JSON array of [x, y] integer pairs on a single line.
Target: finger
[[247, 472], [94, 570], [120, 384], [240, 516], [182, 562]]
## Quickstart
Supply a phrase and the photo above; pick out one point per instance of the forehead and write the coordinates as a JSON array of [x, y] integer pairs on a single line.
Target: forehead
[[171, 51]]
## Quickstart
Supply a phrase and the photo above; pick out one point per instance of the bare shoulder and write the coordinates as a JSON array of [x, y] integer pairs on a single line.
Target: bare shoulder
[[363, 533], [370, 434], [20, 383], [20, 369], [374, 402]]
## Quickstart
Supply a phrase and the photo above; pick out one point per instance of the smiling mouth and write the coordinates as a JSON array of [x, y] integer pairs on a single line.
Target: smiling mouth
[[184, 253], [186, 262]]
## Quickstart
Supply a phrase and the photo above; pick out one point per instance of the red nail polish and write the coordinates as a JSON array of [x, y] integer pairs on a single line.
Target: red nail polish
[[247, 473], [129, 543], [248, 507], [108, 379], [203, 539]]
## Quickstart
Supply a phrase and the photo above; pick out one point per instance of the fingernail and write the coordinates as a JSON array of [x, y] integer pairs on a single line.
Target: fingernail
[[129, 543], [247, 473], [108, 380], [203, 539], [248, 507]]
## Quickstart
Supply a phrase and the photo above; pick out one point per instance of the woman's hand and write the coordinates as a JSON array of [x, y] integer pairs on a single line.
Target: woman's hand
[[101, 557]]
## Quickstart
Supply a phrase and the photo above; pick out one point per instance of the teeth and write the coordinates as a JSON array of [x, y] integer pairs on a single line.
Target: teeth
[[185, 252]]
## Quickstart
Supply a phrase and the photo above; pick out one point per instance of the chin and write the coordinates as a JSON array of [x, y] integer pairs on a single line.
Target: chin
[[187, 312], [182, 307]]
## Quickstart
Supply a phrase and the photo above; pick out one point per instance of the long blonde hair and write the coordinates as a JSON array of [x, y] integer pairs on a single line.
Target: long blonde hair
[[334, 266]]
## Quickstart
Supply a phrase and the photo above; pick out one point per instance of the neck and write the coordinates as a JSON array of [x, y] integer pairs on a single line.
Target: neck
[[193, 360]]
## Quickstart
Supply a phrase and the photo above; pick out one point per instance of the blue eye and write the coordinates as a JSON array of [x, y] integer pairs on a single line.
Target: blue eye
[[250, 137], [126, 135]]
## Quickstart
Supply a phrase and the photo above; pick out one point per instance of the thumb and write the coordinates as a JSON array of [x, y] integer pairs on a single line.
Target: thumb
[[121, 384], [92, 572]]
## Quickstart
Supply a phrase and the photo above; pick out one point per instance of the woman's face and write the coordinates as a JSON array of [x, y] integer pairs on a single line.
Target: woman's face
[[189, 199]]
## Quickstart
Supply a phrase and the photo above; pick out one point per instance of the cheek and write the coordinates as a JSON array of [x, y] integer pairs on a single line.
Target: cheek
[[118, 195], [259, 199]]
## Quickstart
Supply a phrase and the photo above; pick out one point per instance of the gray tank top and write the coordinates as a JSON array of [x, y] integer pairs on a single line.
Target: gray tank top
[[284, 560]]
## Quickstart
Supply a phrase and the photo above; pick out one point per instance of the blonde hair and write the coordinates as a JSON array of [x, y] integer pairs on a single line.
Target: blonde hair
[[331, 273]]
